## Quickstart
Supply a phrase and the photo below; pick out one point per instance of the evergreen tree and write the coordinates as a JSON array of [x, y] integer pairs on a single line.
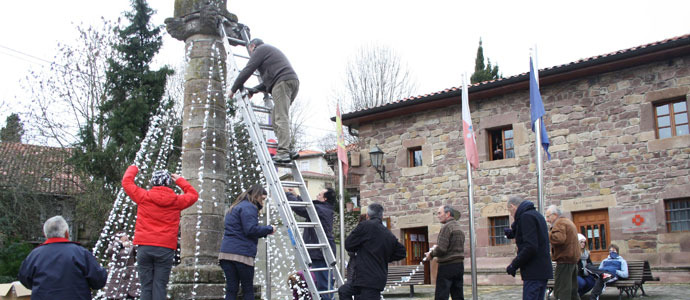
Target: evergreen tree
[[135, 91], [13, 130], [482, 72]]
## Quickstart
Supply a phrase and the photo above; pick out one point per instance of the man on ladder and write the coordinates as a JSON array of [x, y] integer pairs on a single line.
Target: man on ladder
[[278, 79]]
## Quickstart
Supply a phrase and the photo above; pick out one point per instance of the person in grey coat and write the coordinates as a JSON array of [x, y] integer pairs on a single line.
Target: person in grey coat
[[280, 80]]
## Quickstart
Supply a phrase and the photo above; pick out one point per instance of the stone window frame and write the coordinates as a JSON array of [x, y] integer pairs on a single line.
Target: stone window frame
[[502, 129], [671, 114], [670, 219], [411, 159], [648, 121], [497, 121], [402, 157], [495, 237]]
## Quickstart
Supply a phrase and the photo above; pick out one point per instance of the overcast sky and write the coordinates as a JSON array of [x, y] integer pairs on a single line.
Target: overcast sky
[[437, 39]]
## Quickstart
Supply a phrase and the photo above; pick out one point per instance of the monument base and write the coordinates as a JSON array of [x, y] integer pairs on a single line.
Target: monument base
[[210, 283]]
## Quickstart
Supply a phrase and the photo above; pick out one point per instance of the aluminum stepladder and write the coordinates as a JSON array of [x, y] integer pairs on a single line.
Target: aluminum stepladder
[[275, 187]]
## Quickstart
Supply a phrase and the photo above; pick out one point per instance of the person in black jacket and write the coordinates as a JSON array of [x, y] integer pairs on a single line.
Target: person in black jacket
[[324, 209], [279, 79], [60, 268], [375, 247], [532, 240]]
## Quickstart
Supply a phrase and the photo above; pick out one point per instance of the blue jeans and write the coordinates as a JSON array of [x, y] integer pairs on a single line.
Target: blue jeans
[[154, 265], [322, 282], [533, 289], [584, 284], [236, 273]]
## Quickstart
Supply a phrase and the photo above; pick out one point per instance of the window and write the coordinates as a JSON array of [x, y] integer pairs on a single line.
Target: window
[[678, 215], [671, 118], [496, 234], [415, 156], [501, 143], [304, 165]]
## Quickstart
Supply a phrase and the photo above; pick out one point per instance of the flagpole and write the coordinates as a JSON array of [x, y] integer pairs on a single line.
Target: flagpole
[[470, 193], [473, 255], [342, 216], [537, 132]]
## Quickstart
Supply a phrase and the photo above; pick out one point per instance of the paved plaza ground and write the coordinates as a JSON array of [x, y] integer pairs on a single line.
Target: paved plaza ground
[[654, 291]]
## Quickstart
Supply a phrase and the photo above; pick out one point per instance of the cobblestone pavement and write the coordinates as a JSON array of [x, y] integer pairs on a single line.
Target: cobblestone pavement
[[653, 291]]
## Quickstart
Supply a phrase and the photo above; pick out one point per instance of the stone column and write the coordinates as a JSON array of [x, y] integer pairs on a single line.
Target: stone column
[[204, 139]]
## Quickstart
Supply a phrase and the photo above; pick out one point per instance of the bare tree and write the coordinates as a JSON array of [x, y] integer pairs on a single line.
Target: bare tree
[[67, 95], [298, 132], [375, 76]]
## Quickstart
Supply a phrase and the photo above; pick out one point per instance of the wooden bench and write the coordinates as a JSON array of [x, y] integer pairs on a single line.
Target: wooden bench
[[636, 278], [399, 274]]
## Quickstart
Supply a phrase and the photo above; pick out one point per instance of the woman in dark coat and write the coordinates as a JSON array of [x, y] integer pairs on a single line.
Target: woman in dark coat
[[123, 282], [238, 248]]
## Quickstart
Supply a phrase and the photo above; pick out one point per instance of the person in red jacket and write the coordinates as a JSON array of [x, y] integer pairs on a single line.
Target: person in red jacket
[[158, 222]]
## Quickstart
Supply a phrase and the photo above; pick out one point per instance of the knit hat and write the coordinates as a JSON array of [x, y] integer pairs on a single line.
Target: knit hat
[[161, 178], [581, 237]]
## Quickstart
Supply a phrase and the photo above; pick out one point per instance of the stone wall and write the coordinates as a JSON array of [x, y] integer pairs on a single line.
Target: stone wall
[[604, 149]]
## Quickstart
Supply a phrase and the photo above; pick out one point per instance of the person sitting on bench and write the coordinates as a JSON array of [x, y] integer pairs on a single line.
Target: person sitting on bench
[[611, 269]]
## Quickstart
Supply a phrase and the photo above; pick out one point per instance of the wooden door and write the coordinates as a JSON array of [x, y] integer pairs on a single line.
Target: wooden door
[[416, 244], [594, 225]]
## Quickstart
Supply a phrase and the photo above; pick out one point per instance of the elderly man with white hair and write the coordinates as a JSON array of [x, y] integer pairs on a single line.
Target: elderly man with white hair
[[60, 268], [566, 253]]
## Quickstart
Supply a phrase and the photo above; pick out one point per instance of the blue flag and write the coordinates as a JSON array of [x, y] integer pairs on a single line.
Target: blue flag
[[537, 107]]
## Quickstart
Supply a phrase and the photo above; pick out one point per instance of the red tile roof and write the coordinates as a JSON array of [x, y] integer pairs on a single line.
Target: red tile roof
[[678, 41], [37, 169]]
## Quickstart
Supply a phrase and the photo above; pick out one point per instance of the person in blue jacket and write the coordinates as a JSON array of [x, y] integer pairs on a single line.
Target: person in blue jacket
[[532, 240], [324, 209], [60, 268], [238, 248], [610, 269]]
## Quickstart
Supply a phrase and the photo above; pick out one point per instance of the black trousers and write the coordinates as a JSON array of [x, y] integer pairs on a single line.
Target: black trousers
[[449, 281], [347, 291]]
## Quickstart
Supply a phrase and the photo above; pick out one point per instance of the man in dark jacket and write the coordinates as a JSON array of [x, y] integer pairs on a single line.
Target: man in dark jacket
[[279, 79], [532, 240], [324, 209], [375, 247], [59, 268]]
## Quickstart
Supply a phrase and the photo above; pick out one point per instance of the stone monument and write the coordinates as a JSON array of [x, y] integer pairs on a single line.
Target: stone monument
[[196, 22]]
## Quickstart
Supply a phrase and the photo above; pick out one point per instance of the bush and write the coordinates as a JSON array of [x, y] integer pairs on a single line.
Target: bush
[[11, 257]]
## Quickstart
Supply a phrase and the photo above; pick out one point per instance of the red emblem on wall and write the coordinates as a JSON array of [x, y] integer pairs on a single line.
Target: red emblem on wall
[[638, 220]]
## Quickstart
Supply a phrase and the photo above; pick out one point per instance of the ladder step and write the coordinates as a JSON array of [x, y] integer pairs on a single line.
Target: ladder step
[[265, 127], [241, 56], [328, 292], [283, 165], [298, 203], [241, 42], [321, 269], [291, 184], [261, 109], [307, 224], [315, 246]]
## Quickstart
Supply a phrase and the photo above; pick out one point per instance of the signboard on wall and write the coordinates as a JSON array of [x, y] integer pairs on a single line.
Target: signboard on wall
[[638, 219]]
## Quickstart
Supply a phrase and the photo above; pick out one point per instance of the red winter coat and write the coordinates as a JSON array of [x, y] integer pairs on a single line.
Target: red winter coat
[[158, 212]]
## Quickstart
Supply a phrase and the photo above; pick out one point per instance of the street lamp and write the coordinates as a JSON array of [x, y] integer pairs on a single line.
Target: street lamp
[[376, 156]]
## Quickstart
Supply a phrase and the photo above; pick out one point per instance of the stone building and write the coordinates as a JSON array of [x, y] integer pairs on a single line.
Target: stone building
[[315, 171], [37, 183], [620, 165]]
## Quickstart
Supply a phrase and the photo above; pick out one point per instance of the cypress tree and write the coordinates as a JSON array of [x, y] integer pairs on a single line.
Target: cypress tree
[[483, 72], [13, 130]]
